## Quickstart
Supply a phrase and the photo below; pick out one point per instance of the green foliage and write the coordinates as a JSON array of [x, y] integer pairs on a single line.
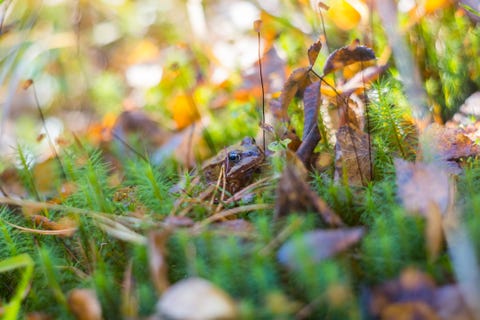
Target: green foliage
[[152, 185], [394, 242], [90, 173]]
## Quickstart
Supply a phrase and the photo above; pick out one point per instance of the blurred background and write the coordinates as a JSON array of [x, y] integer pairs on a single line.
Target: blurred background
[[185, 60]]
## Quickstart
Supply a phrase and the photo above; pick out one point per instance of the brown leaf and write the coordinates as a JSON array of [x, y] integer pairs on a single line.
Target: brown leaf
[[353, 158], [447, 144], [320, 245], [84, 304], [196, 299], [65, 226], [157, 252], [313, 52], [409, 310], [360, 81], [311, 134], [26, 84], [420, 185], [295, 195], [347, 55], [411, 286], [298, 80], [450, 304]]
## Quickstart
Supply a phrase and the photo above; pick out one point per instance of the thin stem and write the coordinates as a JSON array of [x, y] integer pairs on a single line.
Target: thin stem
[[263, 90]]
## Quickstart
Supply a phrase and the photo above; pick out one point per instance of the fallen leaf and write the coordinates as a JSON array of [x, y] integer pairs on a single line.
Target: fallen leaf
[[298, 80], [65, 225], [313, 52], [421, 185], [319, 244], [84, 304], [138, 124], [353, 157], [449, 303], [411, 286], [311, 133], [157, 252], [409, 310], [447, 145], [196, 299], [346, 56], [360, 81], [295, 195]]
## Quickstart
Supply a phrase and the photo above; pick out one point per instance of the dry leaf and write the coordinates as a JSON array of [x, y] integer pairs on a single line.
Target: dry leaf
[[447, 145], [411, 286], [313, 52], [298, 80], [65, 225], [84, 304], [347, 55], [139, 124], [26, 84], [294, 195], [157, 252], [196, 299], [420, 185], [353, 157], [311, 133], [319, 244], [359, 82], [450, 304], [409, 310]]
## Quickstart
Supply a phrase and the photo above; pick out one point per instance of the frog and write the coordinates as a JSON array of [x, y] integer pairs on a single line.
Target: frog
[[239, 161]]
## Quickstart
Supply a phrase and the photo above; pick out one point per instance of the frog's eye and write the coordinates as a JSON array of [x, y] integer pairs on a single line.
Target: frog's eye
[[234, 156]]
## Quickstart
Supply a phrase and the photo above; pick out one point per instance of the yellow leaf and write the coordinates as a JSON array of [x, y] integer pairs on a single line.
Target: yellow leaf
[[343, 15], [184, 110]]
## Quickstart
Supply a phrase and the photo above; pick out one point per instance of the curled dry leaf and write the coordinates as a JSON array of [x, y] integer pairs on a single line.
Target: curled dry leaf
[[320, 245], [297, 81], [420, 185], [295, 195], [347, 55], [313, 52], [311, 133], [196, 299], [157, 252], [353, 157], [84, 304]]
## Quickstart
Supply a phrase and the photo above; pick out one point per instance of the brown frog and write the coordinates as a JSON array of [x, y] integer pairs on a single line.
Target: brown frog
[[239, 163]]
